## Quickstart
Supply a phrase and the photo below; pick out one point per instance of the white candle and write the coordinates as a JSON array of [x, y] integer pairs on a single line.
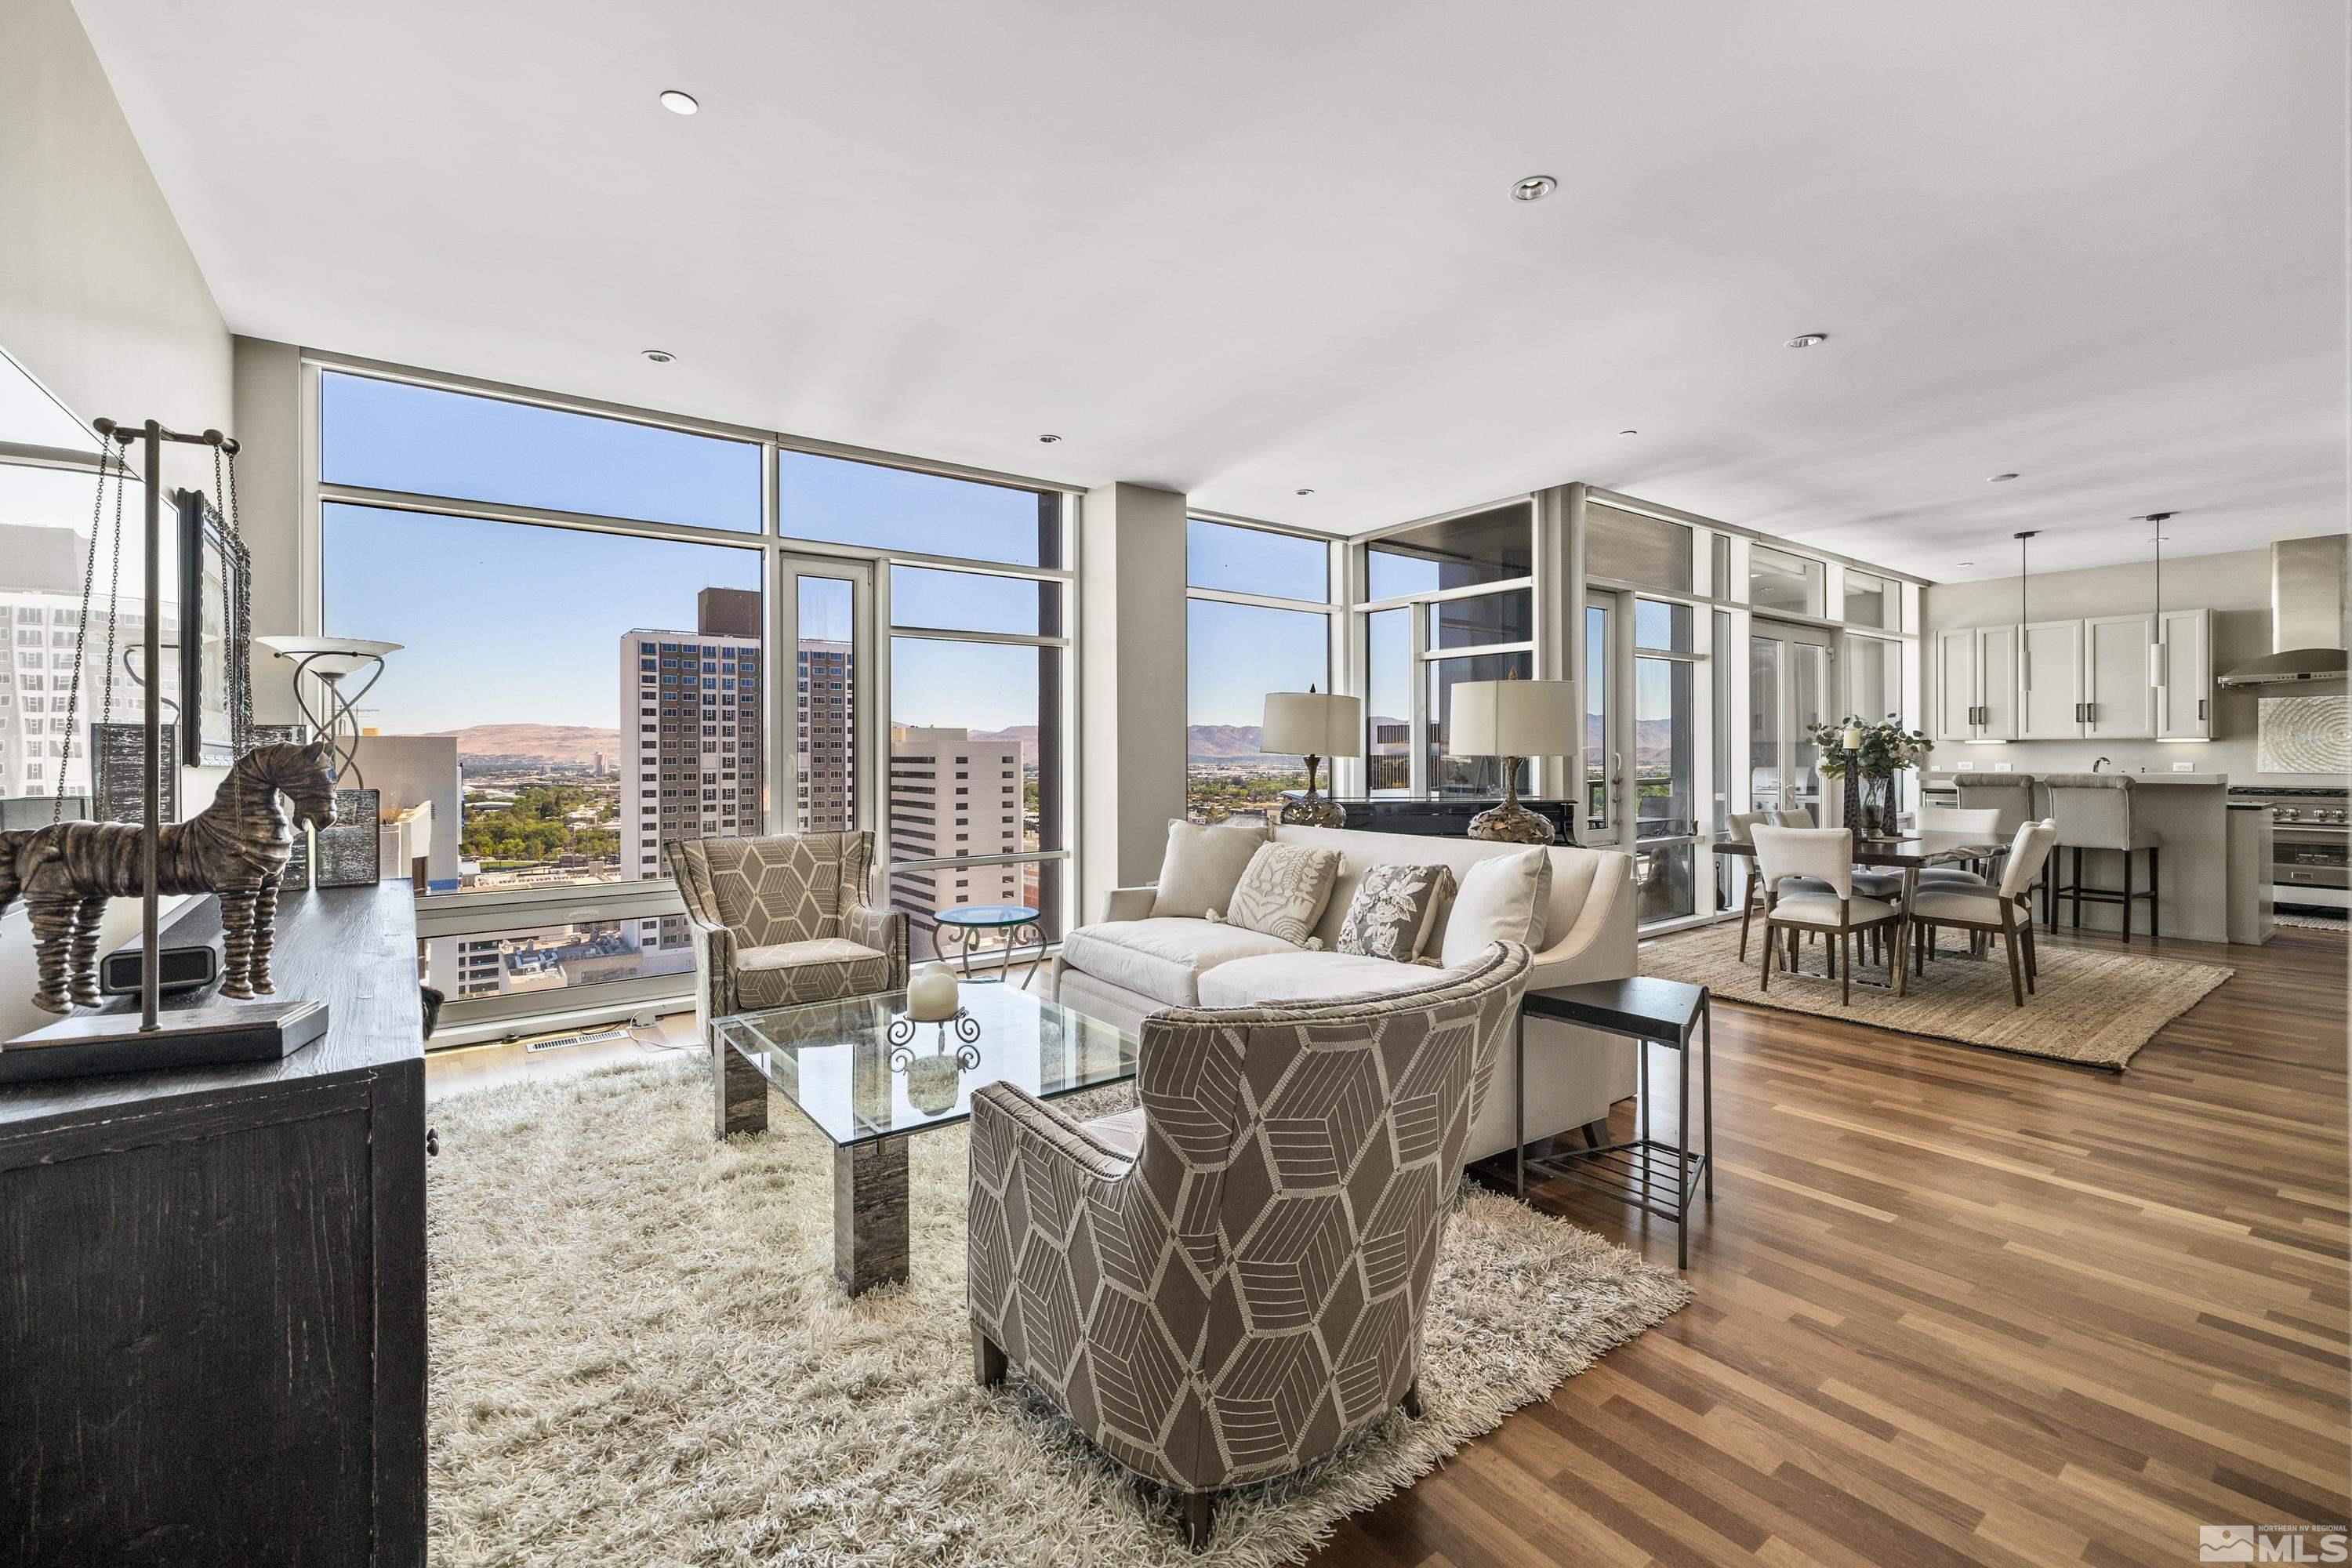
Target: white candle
[[931, 994], [1851, 739]]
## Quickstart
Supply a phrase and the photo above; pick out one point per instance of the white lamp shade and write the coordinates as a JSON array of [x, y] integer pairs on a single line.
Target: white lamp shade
[[1512, 719], [1311, 724]]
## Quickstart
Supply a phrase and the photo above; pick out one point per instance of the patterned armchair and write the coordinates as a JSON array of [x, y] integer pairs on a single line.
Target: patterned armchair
[[1227, 1283], [782, 920]]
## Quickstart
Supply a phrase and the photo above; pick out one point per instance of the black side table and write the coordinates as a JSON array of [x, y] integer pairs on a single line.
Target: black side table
[[1644, 1171]]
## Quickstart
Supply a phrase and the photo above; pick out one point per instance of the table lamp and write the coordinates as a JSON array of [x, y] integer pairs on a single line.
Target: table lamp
[[1311, 724], [1511, 720]]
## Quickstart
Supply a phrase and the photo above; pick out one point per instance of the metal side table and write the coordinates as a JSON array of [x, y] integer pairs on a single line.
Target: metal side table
[[1657, 1177]]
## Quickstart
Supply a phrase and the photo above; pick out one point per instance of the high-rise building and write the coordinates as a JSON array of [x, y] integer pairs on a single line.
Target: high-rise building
[[825, 795], [690, 727], [690, 717], [40, 612], [951, 795]]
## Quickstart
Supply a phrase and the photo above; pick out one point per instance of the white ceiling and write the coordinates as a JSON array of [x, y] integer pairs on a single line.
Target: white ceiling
[[1235, 247]]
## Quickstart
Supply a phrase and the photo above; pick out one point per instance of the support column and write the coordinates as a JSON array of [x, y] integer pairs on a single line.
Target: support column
[[1131, 633]]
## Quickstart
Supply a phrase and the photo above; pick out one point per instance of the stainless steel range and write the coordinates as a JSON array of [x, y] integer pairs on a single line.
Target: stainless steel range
[[2311, 839]]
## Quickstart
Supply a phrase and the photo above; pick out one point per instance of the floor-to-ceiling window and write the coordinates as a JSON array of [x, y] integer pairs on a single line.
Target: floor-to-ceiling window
[[1443, 603], [620, 631], [1258, 620], [1665, 758], [59, 532]]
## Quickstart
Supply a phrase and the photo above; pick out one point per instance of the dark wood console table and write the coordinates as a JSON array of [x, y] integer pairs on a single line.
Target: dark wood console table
[[1444, 818], [212, 1283]]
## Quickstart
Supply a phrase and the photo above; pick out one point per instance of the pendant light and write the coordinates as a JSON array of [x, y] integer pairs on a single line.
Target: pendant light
[[2024, 643], [2159, 652]]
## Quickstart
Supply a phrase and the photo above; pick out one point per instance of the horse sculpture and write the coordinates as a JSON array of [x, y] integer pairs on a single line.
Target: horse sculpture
[[237, 847]]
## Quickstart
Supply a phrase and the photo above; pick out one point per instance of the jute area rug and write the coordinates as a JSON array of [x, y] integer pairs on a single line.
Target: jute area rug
[[639, 1356], [2092, 1005]]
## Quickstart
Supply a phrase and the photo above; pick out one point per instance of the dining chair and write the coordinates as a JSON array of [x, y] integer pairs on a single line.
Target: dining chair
[[2005, 909], [1980, 822], [1739, 824], [1827, 855]]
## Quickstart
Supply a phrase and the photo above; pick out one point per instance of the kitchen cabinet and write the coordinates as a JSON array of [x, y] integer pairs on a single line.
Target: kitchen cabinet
[[2050, 682], [1976, 684], [2119, 697], [2184, 687], [2107, 678]]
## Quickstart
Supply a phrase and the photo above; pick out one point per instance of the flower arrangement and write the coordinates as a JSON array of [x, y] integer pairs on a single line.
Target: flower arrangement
[[1867, 756], [1874, 749]]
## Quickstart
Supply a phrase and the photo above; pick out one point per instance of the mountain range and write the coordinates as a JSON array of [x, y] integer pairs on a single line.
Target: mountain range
[[518, 744], [1652, 741], [577, 744]]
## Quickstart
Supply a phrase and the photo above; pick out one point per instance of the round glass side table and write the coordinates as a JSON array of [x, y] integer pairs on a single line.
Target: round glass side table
[[971, 923]]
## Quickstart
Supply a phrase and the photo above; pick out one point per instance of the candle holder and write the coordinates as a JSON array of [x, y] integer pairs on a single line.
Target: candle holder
[[935, 1078], [902, 1029]]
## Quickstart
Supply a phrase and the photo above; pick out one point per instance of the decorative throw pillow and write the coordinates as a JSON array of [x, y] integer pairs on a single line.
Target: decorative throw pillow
[[1393, 909], [1505, 898], [1282, 892], [1202, 864]]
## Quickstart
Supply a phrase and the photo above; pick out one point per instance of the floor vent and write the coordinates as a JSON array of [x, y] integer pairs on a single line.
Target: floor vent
[[585, 1038]]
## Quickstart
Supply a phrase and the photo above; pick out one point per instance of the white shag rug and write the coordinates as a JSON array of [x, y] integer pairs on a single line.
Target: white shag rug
[[639, 1356]]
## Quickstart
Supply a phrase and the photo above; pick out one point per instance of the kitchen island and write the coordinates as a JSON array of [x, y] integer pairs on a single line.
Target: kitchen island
[[2189, 813]]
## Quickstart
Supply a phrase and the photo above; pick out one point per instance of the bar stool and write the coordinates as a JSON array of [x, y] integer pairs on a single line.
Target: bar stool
[[2093, 811], [2012, 794]]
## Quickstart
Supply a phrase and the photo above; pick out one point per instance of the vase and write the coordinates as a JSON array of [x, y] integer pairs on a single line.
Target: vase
[[1877, 808]]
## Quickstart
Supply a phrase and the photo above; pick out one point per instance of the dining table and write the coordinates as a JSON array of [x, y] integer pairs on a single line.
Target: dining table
[[1910, 852]]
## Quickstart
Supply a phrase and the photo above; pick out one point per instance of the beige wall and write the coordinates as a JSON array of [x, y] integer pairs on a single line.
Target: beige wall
[[100, 300], [99, 297], [2236, 588], [1131, 700], [269, 503]]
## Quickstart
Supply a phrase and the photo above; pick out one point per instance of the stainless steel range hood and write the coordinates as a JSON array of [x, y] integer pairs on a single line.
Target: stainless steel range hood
[[2306, 616]]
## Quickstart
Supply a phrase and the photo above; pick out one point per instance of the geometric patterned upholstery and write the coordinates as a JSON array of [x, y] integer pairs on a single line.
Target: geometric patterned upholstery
[[1243, 1293], [788, 889], [778, 922], [790, 972]]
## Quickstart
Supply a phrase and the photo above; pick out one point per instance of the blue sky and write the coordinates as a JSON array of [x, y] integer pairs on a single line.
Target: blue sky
[[1238, 653], [506, 623]]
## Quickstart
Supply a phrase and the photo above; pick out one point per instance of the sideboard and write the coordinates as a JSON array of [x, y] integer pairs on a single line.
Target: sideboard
[[212, 1283], [1444, 818]]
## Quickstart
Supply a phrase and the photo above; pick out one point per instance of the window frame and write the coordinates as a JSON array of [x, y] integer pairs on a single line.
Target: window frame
[[1335, 645], [1537, 645], [486, 913]]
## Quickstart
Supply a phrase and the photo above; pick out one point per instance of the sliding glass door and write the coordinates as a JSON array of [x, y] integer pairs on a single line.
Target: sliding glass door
[[1789, 693], [1647, 744]]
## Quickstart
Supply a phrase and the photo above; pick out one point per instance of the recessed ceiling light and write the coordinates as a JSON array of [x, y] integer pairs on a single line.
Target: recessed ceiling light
[[1807, 341], [1307, 492], [678, 102], [1999, 478], [659, 356], [1965, 563], [1049, 440], [1534, 188]]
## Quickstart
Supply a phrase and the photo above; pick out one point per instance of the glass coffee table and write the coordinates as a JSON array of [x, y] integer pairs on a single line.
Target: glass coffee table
[[870, 1081]]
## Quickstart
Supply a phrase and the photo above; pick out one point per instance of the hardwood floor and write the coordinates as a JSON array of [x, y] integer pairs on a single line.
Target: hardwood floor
[[1955, 1307]]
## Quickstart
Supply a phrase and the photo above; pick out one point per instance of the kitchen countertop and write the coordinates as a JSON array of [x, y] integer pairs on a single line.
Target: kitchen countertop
[[2209, 779]]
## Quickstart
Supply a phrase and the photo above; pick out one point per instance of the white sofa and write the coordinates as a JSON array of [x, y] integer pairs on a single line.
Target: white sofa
[[1130, 965]]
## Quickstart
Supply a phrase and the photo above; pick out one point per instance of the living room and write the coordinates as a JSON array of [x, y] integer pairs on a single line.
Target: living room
[[1027, 786]]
